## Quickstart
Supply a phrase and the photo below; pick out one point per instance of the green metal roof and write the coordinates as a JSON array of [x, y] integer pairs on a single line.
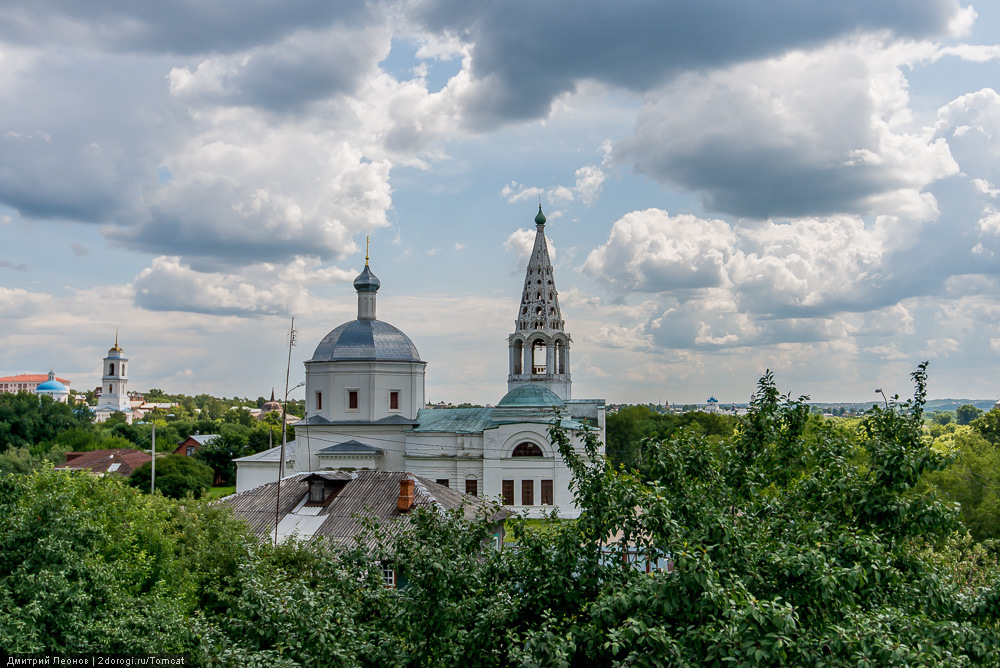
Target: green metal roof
[[531, 395], [453, 420]]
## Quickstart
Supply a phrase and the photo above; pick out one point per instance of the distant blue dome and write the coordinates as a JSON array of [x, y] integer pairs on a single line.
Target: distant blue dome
[[52, 386], [366, 340], [531, 395]]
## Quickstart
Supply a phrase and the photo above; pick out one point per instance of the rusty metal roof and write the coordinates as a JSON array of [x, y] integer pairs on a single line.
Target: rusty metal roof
[[362, 496], [99, 461]]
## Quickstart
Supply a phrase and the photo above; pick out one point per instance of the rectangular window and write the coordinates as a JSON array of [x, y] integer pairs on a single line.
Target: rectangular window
[[527, 492], [352, 400], [190, 451], [508, 492], [546, 492], [394, 400], [443, 481], [472, 487], [389, 576], [319, 401]]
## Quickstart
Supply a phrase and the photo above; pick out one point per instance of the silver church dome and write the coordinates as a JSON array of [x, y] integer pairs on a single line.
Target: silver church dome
[[366, 340]]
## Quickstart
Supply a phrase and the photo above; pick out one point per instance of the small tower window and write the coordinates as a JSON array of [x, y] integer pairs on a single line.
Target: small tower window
[[352, 400], [111, 369], [109, 389], [319, 401], [394, 400]]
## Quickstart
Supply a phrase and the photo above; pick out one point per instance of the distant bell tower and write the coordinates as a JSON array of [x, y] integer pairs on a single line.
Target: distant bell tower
[[539, 348], [114, 382]]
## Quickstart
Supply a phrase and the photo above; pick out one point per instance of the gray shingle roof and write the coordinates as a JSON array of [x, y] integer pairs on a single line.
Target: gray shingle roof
[[349, 448], [271, 455], [364, 494]]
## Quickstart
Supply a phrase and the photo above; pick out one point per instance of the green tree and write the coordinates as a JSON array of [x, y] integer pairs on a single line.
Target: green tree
[[27, 419], [88, 564], [943, 417], [972, 480], [988, 426], [240, 416], [794, 543], [176, 477], [232, 442], [966, 413]]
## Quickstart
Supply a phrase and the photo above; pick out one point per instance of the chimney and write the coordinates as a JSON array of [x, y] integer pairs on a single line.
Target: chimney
[[405, 501]]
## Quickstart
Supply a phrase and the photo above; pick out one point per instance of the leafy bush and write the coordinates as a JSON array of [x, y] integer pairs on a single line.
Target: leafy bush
[[176, 477]]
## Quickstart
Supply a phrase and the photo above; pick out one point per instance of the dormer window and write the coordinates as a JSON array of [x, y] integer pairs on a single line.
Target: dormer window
[[317, 491]]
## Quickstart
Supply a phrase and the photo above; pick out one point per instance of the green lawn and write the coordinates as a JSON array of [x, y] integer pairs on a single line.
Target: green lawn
[[219, 492]]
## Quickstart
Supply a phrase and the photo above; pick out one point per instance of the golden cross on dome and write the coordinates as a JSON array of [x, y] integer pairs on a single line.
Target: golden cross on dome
[[367, 241]]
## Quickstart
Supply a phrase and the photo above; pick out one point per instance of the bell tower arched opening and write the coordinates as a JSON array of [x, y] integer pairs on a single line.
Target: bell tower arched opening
[[538, 357]]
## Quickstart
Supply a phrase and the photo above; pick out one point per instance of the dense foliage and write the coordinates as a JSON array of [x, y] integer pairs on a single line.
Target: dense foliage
[[793, 541], [177, 476], [627, 427]]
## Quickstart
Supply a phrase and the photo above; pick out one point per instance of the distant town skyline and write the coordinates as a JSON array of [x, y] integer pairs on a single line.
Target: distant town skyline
[[805, 187]]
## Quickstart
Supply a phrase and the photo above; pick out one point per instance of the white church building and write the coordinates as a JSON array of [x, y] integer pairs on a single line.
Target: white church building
[[114, 386], [365, 407]]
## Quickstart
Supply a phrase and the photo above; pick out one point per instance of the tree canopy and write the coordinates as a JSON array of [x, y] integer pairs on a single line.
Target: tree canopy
[[792, 541], [176, 477]]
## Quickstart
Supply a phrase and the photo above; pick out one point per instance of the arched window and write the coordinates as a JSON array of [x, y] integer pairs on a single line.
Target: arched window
[[526, 449], [538, 361], [111, 369]]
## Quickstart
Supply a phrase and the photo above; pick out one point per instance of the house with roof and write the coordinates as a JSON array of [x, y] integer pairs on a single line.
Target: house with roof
[[365, 407], [191, 444], [336, 504], [118, 461]]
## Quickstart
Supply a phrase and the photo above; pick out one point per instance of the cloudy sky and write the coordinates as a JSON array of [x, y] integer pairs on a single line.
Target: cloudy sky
[[731, 185]]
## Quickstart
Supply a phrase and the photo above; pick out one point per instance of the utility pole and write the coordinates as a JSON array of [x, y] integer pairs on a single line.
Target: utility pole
[[152, 479]]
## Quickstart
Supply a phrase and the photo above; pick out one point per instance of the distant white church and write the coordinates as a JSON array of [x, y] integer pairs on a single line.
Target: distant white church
[[365, 398], [114, 386]]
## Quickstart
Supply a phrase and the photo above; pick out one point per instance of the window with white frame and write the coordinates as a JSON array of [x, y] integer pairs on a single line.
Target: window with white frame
[[388, 575]]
